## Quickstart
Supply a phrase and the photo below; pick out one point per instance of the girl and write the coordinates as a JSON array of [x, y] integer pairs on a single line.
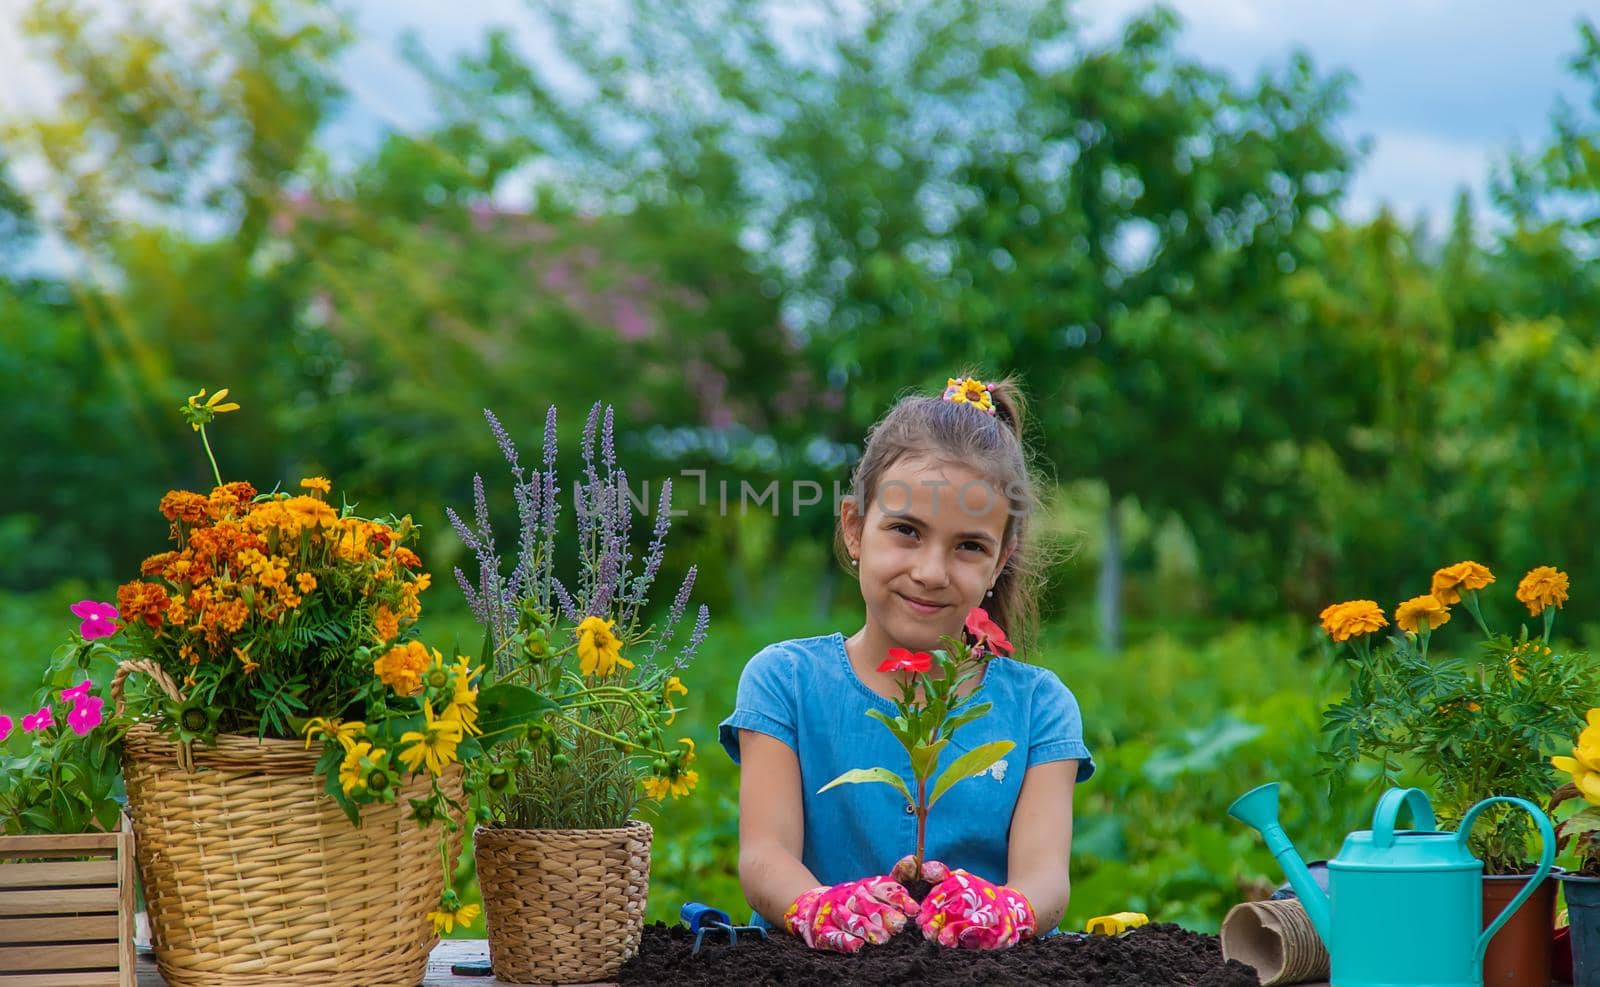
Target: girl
[[949, 498]]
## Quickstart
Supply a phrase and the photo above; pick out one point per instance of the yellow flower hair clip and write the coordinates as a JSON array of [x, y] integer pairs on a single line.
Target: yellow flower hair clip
[[971, 391]]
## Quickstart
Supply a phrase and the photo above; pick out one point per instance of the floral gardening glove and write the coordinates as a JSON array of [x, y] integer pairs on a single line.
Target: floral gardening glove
[[845, 917], [968, 912]]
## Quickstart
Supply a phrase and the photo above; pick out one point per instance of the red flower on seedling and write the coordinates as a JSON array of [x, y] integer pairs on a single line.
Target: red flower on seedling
[[5, 726], [902, 660], [85, 715], [77, 693], [99, 619], [38, 721], [986, 631]]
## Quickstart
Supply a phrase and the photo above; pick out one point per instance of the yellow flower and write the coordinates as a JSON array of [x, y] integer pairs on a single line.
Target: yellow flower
[[463, 708], [1542, 587], [344, 731], [1584, 764], [1425, 609], [434, 745], [969, 391], [445, 923], [673, 685], [401, 667], [351, 774], [679, 780], [599, 648], [1452, 579], [1354, 618], [316, 484], [306, 581], [199, 414]]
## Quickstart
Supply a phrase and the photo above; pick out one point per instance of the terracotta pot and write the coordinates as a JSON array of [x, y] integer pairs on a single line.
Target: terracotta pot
[[1519, 954], [1583, 914]]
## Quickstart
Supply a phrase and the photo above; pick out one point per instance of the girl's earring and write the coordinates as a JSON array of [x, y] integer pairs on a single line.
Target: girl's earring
[[990, 593], [855, 561]]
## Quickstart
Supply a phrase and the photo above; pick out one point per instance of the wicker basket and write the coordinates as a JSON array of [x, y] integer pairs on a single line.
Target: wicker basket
[[253, 876], [563, 906]]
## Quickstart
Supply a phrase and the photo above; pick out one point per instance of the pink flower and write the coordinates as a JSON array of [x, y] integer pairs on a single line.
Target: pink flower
[[38, 721], [987, 631], [5, 726], [77, 693], [85, 715], [99, 619], [901, 660]]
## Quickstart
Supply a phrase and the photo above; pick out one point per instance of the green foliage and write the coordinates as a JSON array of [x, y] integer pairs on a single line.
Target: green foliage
[[65, 777]]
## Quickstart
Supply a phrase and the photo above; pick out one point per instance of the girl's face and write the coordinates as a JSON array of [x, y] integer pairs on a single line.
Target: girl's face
[[930, 546]]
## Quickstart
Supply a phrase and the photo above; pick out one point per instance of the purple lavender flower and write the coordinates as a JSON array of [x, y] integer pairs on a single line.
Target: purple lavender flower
[[701, 622], [608, 448], [568, 608]]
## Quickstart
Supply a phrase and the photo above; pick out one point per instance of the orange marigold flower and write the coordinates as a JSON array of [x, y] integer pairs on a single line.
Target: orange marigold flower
[[142, 601], [1354, 618], [186, 506], [316, 484], [401, 667], [1418, 610], [156, 565], [385, 623], [1542, 587], [1452, 579], [306, 581], [407, 557], [177, 613]]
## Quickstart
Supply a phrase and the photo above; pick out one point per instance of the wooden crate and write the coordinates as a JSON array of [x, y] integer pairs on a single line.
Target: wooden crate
[[66, 910]]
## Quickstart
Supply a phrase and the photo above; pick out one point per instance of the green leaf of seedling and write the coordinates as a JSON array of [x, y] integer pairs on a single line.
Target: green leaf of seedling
[[856, 776], [925, 757], [966, 716], [971, 763], [505, 707], [897, 726]]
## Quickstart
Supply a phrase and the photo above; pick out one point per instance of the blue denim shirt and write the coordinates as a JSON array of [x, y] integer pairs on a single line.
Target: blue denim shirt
[[805, 693]]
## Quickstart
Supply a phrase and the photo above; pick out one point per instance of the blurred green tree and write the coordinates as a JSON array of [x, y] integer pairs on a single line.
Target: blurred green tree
[[936, 182]]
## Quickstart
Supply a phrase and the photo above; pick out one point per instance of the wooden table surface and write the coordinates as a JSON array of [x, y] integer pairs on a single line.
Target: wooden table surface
[[448, 953]]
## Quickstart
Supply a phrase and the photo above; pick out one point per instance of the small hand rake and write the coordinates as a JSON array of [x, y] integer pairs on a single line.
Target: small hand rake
[[703, 918]]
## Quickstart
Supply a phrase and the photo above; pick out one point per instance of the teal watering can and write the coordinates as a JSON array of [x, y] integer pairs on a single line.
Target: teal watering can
[[1403, 908]]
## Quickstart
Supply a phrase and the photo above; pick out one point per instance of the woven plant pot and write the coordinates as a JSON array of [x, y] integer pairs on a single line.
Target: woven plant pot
[[563, 906], [253, 876]]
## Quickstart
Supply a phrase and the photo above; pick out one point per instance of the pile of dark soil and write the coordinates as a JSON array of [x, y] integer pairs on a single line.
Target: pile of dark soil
[[1154, 956]]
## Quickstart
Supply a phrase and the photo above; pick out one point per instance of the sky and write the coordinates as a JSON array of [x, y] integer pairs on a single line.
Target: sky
[[1444, 88]]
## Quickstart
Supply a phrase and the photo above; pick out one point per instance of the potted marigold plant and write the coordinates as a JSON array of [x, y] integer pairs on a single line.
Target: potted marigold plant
[[64, 843], [273, 621], [587, 691], [1577, 807], [1467, 726]]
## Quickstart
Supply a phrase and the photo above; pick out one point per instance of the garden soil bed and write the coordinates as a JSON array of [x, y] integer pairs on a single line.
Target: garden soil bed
[[1154, 956]]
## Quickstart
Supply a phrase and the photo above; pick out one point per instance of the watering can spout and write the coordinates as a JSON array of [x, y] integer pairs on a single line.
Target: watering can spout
[[1258, 808]]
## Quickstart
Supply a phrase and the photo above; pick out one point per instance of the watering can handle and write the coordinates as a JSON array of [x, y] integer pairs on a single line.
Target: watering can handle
[[1547, 856], [1388, 810]]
